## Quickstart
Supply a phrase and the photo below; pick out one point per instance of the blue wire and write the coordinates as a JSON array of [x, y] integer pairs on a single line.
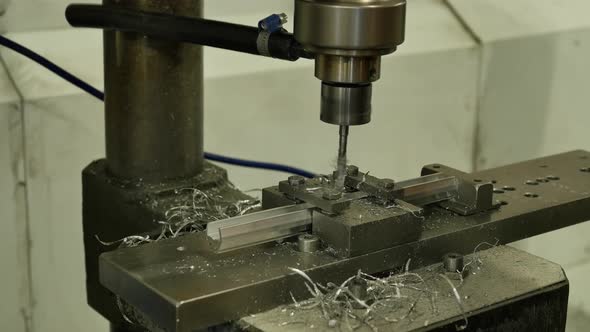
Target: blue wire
[[51, 67], [100, 95], [258, 164]]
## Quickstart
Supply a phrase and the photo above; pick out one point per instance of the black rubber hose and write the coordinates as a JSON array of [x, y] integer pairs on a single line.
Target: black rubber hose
[[229, 36]]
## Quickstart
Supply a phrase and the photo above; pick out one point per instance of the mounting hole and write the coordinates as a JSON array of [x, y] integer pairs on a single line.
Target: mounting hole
[[552, 177], [585, 170], [498, 191], [531, 195], [532, 183], [503, 203], [508, 188]]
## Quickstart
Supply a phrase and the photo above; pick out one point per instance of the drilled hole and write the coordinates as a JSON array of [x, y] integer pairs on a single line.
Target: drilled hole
[[585, 170], [543, 166], [531, 195], [552, 177], [509, 188], [542, 180], [494, 181], [503, 203], [498, 191], [478, 180], [532, 183]]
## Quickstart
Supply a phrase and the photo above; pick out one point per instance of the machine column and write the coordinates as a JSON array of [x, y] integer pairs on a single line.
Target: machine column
[[154, 99]]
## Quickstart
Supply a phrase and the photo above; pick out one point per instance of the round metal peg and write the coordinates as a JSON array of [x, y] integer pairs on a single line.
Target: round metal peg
[[308, 243], [453, 262]]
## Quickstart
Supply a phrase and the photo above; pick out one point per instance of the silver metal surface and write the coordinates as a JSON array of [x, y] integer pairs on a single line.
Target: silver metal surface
[[347, 70], [170, 286], [308, 243], [498, 284], [350, 27], [427, 189], [346, 105], [453, 262], [348, 38], [259, 227]]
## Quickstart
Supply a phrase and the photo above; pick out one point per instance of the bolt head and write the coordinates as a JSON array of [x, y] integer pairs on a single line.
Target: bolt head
[[352, 170], [332, 195], [388, 184], [296, 180]]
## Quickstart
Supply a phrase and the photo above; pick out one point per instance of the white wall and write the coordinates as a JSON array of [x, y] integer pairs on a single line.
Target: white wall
[[535, 101], [443, 97], [14, 280]]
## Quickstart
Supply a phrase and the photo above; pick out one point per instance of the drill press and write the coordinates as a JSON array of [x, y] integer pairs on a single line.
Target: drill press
[[235, 267], [348, 38]]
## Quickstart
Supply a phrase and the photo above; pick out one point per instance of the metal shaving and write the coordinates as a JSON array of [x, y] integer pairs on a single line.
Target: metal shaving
[[191, 215], [338, 303], [200, 209], [391, 299]]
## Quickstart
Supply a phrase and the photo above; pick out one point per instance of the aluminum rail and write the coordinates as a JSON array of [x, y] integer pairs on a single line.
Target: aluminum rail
[[287, 221]]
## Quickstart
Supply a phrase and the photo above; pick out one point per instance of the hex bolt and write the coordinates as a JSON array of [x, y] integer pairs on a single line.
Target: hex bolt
[[352, 170], [296, 180], [453, 262], [308, 243], [358, 288], [388, 184], [332, 195]]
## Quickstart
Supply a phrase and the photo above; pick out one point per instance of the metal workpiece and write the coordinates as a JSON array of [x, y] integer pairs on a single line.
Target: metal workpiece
[[154, 99], [373, 186], [366, 227], [350, 27], [169, 285], [317, 194], [346, 105], [500, 296], [471, 195], [260, 227]]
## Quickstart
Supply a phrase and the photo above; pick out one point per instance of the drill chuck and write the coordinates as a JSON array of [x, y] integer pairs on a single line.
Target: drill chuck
[[346, 104]]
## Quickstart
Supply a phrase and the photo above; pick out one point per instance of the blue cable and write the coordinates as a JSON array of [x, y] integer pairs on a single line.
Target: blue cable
[[100, 95], [258, 164], [51, 67]]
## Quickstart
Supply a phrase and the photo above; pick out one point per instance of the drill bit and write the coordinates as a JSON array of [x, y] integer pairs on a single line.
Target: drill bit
[[342, 160]]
